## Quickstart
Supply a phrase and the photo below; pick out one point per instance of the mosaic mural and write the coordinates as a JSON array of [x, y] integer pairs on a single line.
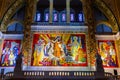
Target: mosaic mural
[[10, 51], [108, 53], [59, 50]]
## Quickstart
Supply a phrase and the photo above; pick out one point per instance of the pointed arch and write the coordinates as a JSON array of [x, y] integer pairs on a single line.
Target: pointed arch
[[108, 13], [12, 10]]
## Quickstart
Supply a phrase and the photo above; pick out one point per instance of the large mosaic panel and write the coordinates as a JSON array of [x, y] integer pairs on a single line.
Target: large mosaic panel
[[59, 50], [108, 53], [10, 51]]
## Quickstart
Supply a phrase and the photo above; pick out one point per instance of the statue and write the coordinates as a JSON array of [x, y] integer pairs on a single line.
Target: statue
[[99, 74], [99, 65], [18, 66]]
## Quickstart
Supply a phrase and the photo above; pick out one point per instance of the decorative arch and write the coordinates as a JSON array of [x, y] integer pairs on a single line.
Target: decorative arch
[[17, 5], [108, 13]]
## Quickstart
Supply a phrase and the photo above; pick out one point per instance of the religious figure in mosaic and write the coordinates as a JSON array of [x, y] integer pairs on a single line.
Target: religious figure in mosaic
[[5, 56], [107, 53], [38, 53], [77, 51], [58, 50]]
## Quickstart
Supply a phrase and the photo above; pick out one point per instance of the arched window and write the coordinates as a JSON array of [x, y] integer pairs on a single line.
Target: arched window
[[78, 10], [72, 15], [15, 28], [42, 7], [59, 6], [46, 15], [81, 17], [63, 16], [38, 17], [59, 11], [55, 16], [102, 28]]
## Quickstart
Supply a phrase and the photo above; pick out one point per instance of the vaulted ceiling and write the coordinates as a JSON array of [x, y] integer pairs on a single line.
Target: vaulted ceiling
[[114, 6]]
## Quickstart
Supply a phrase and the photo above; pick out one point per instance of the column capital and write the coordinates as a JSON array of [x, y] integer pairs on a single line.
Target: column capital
[[117, 36]]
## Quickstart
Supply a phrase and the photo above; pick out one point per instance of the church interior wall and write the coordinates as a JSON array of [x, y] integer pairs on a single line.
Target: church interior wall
[[36, 30]]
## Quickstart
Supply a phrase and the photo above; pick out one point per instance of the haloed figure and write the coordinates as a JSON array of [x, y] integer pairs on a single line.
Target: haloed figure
[[39, 53], [5, 56], [75, 46], [49, 49], [58, 50], [11, 59]]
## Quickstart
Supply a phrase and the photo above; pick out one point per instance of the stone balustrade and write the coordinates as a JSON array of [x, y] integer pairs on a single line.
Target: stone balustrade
[[57, 74]]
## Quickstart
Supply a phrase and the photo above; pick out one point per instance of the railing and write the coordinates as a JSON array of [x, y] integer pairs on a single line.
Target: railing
[[116, 77], [59, 23], [87, 75]]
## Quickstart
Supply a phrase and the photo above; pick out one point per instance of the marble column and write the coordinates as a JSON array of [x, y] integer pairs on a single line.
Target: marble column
[[51, 11], [89, 21], [117, 42], [68, 10], [27, 40]]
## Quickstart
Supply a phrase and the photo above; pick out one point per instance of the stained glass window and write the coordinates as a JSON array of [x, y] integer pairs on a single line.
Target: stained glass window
[[11, 27], [55, 18], [107, 29], [38, 17], [80, 17], [103, 28], [63, 17], [15, 28], [71, 17], [47, 17]]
